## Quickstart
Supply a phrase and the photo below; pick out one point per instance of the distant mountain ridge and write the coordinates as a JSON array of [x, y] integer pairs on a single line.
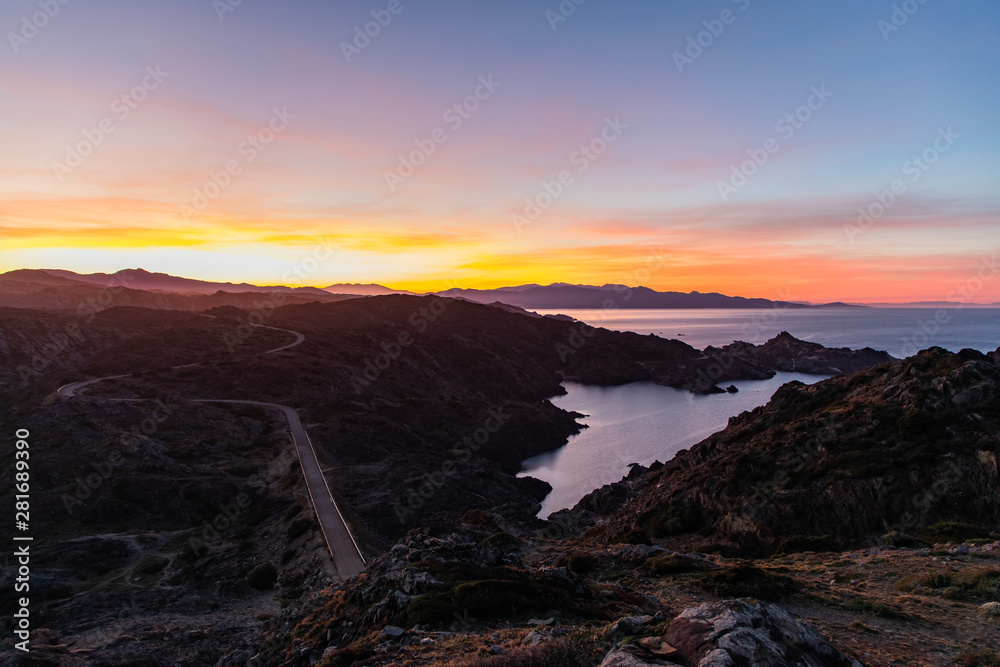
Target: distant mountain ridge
[[65, 290], [164, 282], [531, 296], [562, 295], [364, 289]]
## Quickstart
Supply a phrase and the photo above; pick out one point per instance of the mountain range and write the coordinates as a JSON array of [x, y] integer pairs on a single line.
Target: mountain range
[[56, 289]]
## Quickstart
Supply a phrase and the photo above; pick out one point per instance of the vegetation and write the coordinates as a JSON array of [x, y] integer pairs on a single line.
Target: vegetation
[[671, 520], [570, 652], [747, 581], [978, 584], [578, 561], [984, 658], [675, 564], [505, 542], [262, 577], [952, 531], [799, 543]]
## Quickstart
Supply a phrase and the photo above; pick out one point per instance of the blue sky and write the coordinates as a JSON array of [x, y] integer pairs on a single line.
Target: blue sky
[[655, 188]]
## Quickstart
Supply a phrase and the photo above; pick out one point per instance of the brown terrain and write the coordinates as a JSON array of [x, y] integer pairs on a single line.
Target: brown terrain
[[172, 532]]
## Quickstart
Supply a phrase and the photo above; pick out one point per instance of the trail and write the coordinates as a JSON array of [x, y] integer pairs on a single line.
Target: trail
[[343, 547]]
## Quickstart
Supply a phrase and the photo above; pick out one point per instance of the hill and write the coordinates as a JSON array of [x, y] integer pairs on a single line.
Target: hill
[[901, 453], [87, 295], [141, 279], [561, 295]]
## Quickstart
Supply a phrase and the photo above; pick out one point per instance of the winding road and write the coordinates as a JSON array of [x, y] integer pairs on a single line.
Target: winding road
[[343, 547]]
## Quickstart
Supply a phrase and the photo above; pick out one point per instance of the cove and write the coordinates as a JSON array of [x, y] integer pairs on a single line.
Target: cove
[[639, 423]]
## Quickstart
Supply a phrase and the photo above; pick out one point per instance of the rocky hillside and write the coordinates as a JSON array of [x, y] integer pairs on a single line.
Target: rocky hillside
[[481, 597], [902, 452], [420, 409]]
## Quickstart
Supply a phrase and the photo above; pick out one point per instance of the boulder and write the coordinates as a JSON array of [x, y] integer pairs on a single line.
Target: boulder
[[633, 656], [990, 610], [750, 633]]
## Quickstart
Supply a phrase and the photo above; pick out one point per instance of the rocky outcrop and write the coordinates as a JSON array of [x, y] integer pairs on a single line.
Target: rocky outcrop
[[784, 352], [731, 633], [900, 447]]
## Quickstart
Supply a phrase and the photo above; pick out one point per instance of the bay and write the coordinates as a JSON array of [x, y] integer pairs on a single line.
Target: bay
[[639, 423]]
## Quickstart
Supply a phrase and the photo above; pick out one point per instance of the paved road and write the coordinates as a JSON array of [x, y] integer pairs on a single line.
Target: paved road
[[298, 338], [69, 390], [346, 554], [343, 548]]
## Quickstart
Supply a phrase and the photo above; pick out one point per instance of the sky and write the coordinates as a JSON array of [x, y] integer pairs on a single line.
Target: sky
[[793, 149]]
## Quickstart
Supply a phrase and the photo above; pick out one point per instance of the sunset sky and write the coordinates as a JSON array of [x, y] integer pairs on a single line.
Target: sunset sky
[[115, 115]]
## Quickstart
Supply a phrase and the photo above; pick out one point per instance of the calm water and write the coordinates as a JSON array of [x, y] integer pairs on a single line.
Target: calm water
[[644, 422], [899, 331], [637, 423]]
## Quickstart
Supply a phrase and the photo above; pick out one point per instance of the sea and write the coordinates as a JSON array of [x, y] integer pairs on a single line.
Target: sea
[[644, 422]]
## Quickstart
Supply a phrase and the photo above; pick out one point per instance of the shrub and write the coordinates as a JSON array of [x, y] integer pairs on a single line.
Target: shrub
[[953, 531], [579, 562], [675, 564], [636, 536], [984, 658], [671, 520], [878, 608], [555, 653], [799, 543], [973, 584], [488, 598], [262, 577], [298, 527], [902, 540], [746, 581], [505, 542]]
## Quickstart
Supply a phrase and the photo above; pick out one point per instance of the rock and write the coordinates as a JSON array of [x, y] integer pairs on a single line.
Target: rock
[[393, 631], [960, 550], [632, 656], [540, 622], [719, 658], [990, 610], [732, 389], [751, 634], [629, 625], [240, 657], [657, 646], [197, 635], [497, 650], [533, 638]]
